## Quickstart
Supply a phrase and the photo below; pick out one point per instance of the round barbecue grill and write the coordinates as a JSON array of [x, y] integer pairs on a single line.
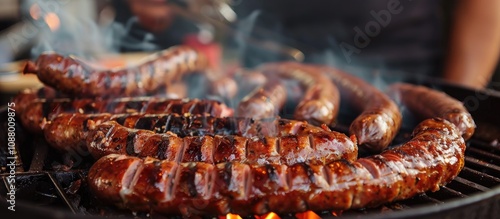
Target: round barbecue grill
[[47, 189]]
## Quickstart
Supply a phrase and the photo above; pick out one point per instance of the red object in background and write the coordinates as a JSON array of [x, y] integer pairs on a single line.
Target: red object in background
[[211, 50]]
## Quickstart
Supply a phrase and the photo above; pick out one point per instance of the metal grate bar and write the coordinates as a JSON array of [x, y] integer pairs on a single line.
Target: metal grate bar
[[482, 166], [483, 155], [5, 183], [479, 177], [474, 143], [470, 185], [39, 156], [419, 200], [61, 193], [445, 193], [430, 199]]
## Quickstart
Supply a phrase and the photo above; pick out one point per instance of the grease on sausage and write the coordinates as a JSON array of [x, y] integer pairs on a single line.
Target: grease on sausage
[[431, 159], [428, 103]]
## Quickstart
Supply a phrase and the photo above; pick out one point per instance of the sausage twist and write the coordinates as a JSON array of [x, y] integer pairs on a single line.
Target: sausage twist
[[320, 103], [428, 103]]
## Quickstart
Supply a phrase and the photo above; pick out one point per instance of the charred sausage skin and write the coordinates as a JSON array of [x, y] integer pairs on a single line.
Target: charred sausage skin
[[264, 102], [295, 142], [39, 112], [321, 99], [253, 139], [431, 159], [379, 119], [428, 103], [78, 79]]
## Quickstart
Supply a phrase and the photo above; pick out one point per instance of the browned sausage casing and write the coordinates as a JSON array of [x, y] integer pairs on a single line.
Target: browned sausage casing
[[40, 112], [70, 131], [428, 103], [302, 143], [67, 131], [27, 96], [432, 158], [264, 102], [320, 103], [77, 79], [380, 118]]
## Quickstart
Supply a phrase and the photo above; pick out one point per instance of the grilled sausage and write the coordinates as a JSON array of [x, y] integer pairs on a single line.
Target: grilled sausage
[[45, 110], [68, 131], [77, 79], [249, 80], [320, 103], [431, 159], [380, 118], [27, 96], [71, 130], [428, 103], [264, 102], [224, 87], [310, 144]]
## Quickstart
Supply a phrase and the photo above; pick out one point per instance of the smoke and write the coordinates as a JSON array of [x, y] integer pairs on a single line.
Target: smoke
[[78, 28]]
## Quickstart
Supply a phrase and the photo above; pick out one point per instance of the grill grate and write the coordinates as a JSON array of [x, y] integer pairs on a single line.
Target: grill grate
[[39, 185], [43, 181]]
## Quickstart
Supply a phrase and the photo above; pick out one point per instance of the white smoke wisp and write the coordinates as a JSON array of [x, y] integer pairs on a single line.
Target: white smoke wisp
[[76, 27]]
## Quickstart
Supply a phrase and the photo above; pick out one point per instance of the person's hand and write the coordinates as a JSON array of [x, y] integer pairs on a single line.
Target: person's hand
[[153, 15]]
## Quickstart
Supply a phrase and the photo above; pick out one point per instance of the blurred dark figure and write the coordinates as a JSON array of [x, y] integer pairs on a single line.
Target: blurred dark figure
[[455, 40], [151, 25]]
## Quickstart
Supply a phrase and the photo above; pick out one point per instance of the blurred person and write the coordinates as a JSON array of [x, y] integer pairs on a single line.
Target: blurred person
[[458, 41], [151, 25]]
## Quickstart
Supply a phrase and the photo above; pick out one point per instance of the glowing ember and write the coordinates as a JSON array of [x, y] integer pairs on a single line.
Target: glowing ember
[[35, 11], [307, 215], [231, 216], [271, 215], [336, 213], [52, 21]]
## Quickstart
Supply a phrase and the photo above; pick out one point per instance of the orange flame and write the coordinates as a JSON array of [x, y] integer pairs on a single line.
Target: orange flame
[[271, 215], [52, 21], [307, 215], [232, 216]]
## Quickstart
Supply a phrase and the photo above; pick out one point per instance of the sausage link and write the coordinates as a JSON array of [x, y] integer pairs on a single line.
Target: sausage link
[[320, 103], [380, 118], [38, 113], [248, 80], [312, 145], [264, 102], [27, 96], [77, 79], [72, 130], [428, 103], [431, 159], [225, 87]]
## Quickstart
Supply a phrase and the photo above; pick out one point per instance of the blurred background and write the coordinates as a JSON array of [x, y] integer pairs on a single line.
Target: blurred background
[[233, 33]]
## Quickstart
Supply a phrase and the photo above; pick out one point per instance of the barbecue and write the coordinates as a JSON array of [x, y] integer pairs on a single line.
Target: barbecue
[[154, 157]]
